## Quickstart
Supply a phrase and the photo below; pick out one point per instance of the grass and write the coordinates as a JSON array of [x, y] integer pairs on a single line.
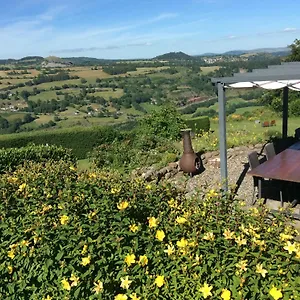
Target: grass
[[89, 74], [13, 116], [248, 109], [47, 95], [84, 165], [149, 107], [42, 119], [107, 93], [206, 70], [48, 85], [145, 70]]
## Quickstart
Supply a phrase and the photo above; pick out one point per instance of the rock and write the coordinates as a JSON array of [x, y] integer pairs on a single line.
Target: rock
[[150, 174], [179, 180], [258, 146], [244, 148], [215, 162], [162, 172], [208, 155], [174, 165], [168, 175]]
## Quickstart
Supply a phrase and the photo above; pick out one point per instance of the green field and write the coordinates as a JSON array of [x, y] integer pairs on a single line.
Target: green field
[[107, 93], [206, 70]]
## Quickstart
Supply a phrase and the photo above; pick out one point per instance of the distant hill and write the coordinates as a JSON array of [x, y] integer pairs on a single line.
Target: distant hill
[[27, 61], [174, 56], [281, 51], [87, 60]]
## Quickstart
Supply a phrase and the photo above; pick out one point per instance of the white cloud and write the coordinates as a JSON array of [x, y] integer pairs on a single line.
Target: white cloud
[[289, 29]]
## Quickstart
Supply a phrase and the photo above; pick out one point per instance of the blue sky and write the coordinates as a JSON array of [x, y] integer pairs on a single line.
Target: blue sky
[[143, 28]]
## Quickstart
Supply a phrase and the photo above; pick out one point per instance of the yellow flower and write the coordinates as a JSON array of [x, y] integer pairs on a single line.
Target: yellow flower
[[153, 222], [255, 211], [160, 280], [123, 205], [10, 269], [66, 284], [134, 297], [181, 220], [285, 237], [125, 283], [172, 203], [121, 297], [182, 243], [226, 294], [64, 220], [206, 290], [148, 187], [209, 236], [11, 253], [170, 250], [25, 243], [86, 260], [98, 287], [72, 168], [84, 250], [115, 190], [130, 259], [74, 279], [47, 298], [242, 265], [290, 247], [22, 187], [258, 242], [275, 293], [143, 260], [211, 194], [260, 270], [160, 235], [240, 241], [228, 234], [133, 228]]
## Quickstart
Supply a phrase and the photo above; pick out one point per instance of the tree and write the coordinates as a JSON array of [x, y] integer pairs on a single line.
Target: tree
[[295, 51]]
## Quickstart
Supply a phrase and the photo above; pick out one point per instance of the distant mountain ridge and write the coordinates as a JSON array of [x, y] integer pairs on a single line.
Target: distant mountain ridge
[[273, 51]]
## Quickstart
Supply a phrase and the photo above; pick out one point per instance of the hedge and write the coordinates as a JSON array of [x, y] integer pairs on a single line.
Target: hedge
[[80, 140], [198, 124], [13, 157]]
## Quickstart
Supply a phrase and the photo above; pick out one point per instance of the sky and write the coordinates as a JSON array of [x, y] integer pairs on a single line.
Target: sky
[[128, 29]]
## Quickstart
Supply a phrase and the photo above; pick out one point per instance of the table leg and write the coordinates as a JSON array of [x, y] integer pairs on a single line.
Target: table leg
[[259, 188]]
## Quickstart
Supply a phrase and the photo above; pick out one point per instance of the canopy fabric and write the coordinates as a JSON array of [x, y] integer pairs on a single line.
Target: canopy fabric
[[268, 85]]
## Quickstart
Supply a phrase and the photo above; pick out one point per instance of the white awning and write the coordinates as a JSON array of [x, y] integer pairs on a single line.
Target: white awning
[[268, 85]]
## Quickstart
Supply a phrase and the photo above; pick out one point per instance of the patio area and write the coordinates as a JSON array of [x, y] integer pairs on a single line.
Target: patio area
[[285, 165]]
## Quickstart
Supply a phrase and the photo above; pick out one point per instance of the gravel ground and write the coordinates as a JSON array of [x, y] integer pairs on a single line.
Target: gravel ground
[[237, 174]]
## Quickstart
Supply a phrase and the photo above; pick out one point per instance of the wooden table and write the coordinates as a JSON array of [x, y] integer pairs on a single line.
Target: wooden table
[[283, 166]]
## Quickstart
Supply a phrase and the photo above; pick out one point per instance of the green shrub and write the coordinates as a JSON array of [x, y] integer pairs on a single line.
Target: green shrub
[[198, 124], [80, 140], [165, 122], [135, 151], [100, 236], [13, 157]]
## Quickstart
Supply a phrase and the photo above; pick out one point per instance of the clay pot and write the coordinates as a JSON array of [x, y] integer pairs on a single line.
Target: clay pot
[[189, 162]]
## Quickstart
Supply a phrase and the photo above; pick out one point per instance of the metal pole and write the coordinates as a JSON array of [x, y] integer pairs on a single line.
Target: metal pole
[[222, 133], [285, 108]]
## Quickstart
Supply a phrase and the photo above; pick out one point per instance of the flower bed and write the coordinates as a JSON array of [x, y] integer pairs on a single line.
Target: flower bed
[[66, 235]]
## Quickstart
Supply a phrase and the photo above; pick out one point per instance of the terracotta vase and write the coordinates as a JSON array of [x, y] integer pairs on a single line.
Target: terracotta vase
[[189, 162]]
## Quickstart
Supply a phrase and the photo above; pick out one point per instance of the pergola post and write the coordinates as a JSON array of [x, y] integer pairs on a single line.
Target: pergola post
[[222, 133], [285, 108]]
